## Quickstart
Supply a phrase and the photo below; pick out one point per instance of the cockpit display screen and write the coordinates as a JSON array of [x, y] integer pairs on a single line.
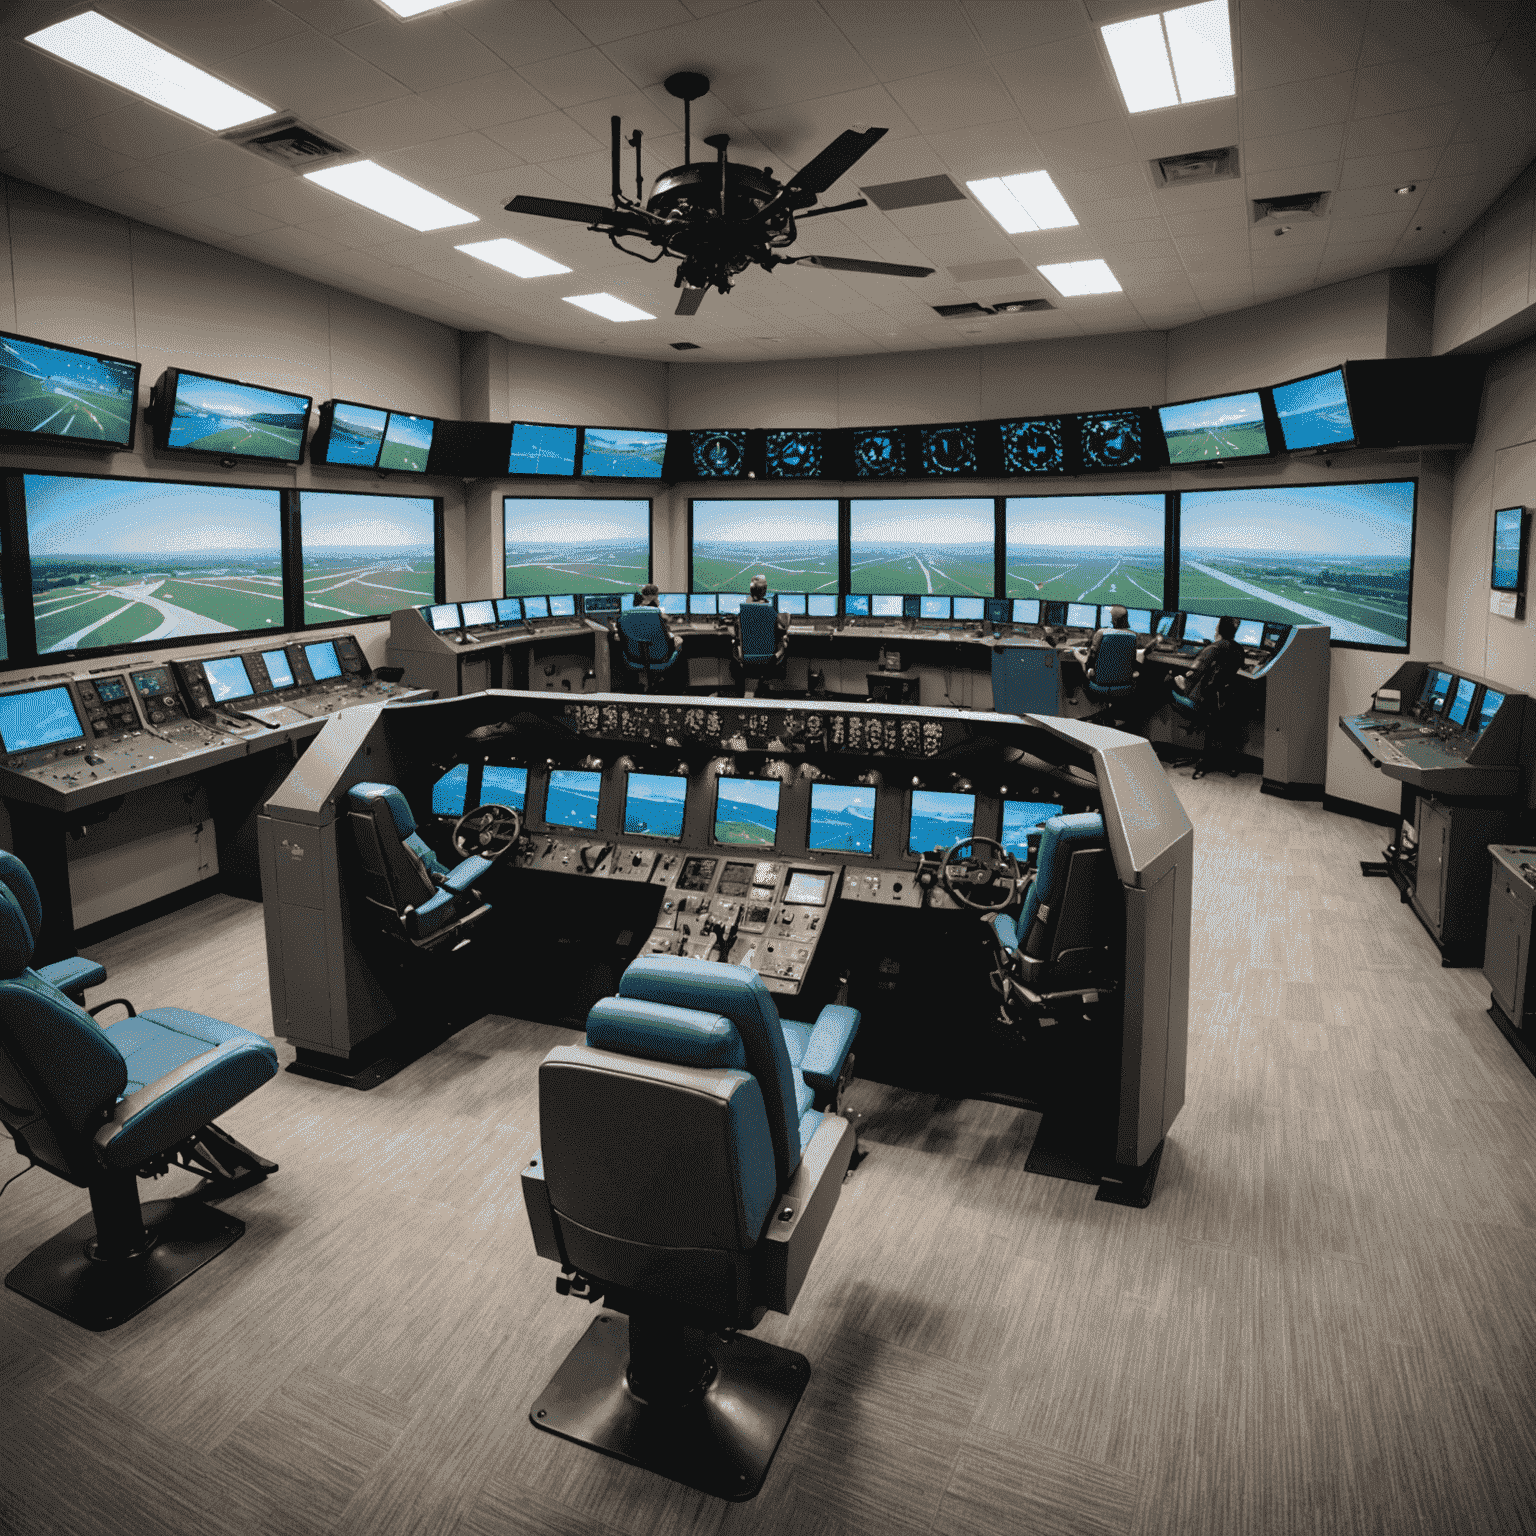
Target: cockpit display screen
[[940, 818], [572, 798], [653, 805], [1020, 818], [806, 888], [842, 818], [227, 678], [747, 812]]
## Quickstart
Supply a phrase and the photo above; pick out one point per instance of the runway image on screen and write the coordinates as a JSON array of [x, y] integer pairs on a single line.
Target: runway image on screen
[[407, 443], [940, 818], [541, 450], [115, 562], [365, 555], [65, 394], [559, 544], [1085, 549], [1226, 427], [1339, 555], [357, 434], [609, 453], [653, 805], [747, 812], [842, 818], [933, 544], [791, 542], [1314, 412], [212, 416]]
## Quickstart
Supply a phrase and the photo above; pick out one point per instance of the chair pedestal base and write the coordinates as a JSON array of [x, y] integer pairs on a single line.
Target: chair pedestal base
[[99, 1294], [720, 1440]]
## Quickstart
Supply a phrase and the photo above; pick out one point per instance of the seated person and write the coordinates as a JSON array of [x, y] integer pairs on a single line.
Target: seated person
[[757, 592], [1118, 619], [1221, 658]]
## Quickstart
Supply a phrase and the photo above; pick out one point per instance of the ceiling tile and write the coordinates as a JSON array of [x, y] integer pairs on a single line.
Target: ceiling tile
[[554, 136], [1400, 29], [1370, 226], [1284, 40], [1282, 150], [604, 22], [390, 125], [1513, 66], [1230, 221], [1496, 117], [502, 97], [1005, 24], [523, 31], [144, 182], [575, 77], [1094, 148], [794, 134], [953, 98], [1396, 131], [998, 149], [1356, 202], [291, 200], [1303, 178], [1060, 84], [227, 216], [219, 167], [331, 16], [1185, 130], [313, 76], [1298, 104], [892, 38], [423, 53], [41, 92], [207, 33], [142, 130], [453, 158], [1450, 75]]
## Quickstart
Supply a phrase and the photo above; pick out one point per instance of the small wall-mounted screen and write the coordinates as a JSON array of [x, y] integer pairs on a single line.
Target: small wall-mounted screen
[[482, 612], [572, 798], [1033, 447], [718, 455], [563, 607], [1026, 610], [672, 602], [210, 415], [1139, 620], [322, 659], [279, 672], [940, 819], [747, 812], [535, 607], [1083, 615], [227, 678], [407, 443], [789, 602], [1508, 533], [1462, 703], [357, 434], [1436, 686], [509, 610], [1110, 439], [1200, 626], [540, 450], [1487, 708], [703, 602], [795, 455], [1314, 412], [62, 392], [842, 818], [42, 717], [934, 608], [444, 616], [1223, 427], [653, 805], [608, 453], [1020, 818], [821, 605], [969, 608], [1250, 632], [879, 452], [948, 450], [856, 605], [885, 605], [730, 602]]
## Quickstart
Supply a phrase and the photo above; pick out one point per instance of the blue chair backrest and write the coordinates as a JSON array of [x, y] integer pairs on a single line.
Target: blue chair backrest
[[1060, 838], [756, 630], [644, 638], [1115, 664], [740, 995], [401, 868]]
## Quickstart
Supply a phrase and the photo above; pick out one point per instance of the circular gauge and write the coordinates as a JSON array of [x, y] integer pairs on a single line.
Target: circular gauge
[[794, 454], [877, 453], [1110, 439], [1032, 447], [949, 451], [718, 453]]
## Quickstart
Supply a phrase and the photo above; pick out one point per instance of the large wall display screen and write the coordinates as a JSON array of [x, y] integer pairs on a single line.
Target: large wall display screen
[[608, 453], [209, 415], [117, 562], [570, 544], [1340, 555], [1224, 427], [1314, 412], [931, 544], [365, 555], [1085, 549], [61, 392], [791, 542]]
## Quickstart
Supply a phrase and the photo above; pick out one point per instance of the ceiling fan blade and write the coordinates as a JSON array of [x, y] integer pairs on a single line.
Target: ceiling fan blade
[[815, 213], [879, 268], [580, 213], [688, 301], [838, 157]]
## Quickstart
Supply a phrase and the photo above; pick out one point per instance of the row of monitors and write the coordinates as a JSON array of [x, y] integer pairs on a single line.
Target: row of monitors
[[230, 678], [746, 811], [1467, 705]]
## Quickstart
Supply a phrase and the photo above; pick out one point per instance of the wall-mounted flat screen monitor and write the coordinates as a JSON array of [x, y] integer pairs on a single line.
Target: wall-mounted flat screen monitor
[[971, 608], [1111, 440], [842, 818], [407, 443], [1314, 411], [1073, 547], [1220, 428], [356, 434], [1250, 633], [730, 602], [323, 660], [879, 453], [1026, 610], [279, 669], [575, 544], [1461, 705], [482, 612], [52, 391], [885, 605], [117, 562], [747, 812], [509, 610], [672, 602], [1200, 627], [1437, 685], [1487, 708], [563, 606], [944, 545], [1082, 615], [796, 454], [535, 607], [703, 602], [718, 455], [940, 819], [199, 413], [856, 605], [1340, 555], [933, 607], [610, 453], [789, 602], [572, 798], [40, 717], [1139, 620], [1511, 530], [1020, 818], [444, 617], [653, 805], [790, 540], [821, 605], [1036, 446], [947, 450], [364, 555], [541, 450], [227, 678]]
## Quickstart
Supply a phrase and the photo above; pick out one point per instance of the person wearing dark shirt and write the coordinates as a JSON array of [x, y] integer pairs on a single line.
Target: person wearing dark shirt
[[1118, 619], [1223, 657], [649, 596], [757, 592]]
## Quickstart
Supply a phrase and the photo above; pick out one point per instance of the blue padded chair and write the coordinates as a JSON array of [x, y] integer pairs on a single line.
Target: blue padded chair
[[1111, 679], [1210, 710], [644, 645], [102, 1106], [71, 976], [758, 650], [683, 1177], [423, 901]]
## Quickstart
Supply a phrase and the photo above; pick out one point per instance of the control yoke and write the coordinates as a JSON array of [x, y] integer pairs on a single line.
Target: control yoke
[[489, 830], [990, 870]]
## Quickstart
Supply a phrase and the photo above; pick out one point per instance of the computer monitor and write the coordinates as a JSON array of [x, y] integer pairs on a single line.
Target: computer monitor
[[1432, 695], [821, 605], [40, 717], [323, 660], [730, 602], [1165, 623], [604, 603], [672, 602], [933, 607], [482, 612], [998, 610], [572, 798], [842, 818], [1250, 632], [911, 606], [789, 602], [940, 819], [535, 607], [1199, 626], [563, 607], [653, 805], [1139, 620], [747, 812], [1275, 635], [856, 605], [1053, 613], [970, 608], [1487, 708], [498, 786], [227, 678], [509, 610], [626, 601], [279, 672], [1020, 818], [885, 605], [703, 602], [1221, 427], [444, 617], [1461, 705], [1026, 610], [1082, 615]]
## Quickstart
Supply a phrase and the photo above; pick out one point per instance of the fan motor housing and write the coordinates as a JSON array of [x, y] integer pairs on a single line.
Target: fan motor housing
[[693, 191]]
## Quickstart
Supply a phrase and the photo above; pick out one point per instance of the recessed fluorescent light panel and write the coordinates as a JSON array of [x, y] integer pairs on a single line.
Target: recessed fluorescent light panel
[[91, 42], [1174, 58], [512, 257], [1025, 202], [396, 198], [609, 307], [408, 8], [1075, 278]]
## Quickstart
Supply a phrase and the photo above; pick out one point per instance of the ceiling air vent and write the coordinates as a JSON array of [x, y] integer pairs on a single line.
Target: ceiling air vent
[[684, 346], [288, 142], [1300, 205], [1004, 307], [1202, 165], [917, 193]]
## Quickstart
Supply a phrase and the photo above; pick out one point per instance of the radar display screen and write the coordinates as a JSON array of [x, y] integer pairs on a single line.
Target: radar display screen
[[718, 455], [1110, 440], [940, 819], [41, 718], [747, 812], [1139, 620], [795, 455], [1033, 447], [1020, 818], [948, 450], [879, 453], [653, 805], [227, 678], [842, 818], [572, 798], [789, 602], [885, 605]]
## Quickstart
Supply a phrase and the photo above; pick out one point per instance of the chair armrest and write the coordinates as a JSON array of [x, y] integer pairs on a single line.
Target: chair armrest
[[74, 974], [827, 1049], [463, 876], [541, 1211], [1005, 929], [790, 1243]]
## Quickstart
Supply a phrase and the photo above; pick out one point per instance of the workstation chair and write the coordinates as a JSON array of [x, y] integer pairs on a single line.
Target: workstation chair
[[71, 976], [692, 1154], [644, 645], [758, 649], [1211, 712], [102, 1106], [1111, 680]]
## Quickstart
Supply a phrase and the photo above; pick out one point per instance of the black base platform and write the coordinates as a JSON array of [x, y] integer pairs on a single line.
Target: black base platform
[[721, 1439], [62, 1276]]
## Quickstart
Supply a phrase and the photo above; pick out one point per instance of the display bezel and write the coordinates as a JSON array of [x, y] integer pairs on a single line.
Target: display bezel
[[16, 435], [1266, 412], [1523, 519], [1346, 442], [163, 411]]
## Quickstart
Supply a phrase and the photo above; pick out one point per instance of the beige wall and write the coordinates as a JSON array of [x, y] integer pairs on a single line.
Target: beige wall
[[1485, 291]]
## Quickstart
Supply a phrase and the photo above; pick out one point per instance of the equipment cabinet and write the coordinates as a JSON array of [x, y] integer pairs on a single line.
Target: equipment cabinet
[[1507, 952]]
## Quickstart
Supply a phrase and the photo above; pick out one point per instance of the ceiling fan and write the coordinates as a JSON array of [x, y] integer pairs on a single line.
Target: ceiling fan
[[720, 218]]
